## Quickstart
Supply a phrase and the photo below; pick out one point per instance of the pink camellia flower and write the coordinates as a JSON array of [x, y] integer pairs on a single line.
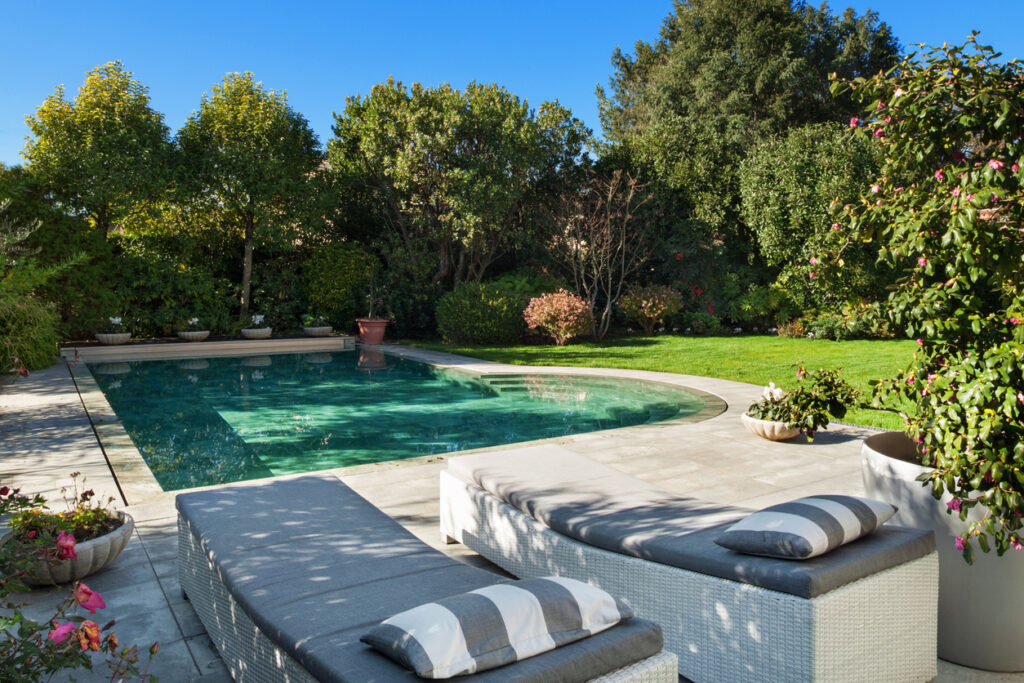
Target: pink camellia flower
[[59, 633], [995, 164], [88, 598], [954, 505], [881, 105], [1015, 168], [836, 227], [854, 122], [899, 189], [66, 546], [959, 543], [875, 189], [919, 342], [888, 119], [956, 192], [1020, 397], [910, 380], [879, 132], [921, 260], [1015, 544], [970, 196], [1013, 321], [878, 202], [814, 261], [811, 275], [938, 174]]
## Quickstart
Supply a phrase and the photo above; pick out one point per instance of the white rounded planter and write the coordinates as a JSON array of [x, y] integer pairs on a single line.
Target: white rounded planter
[[322, 331], [194, 335], [768, 429], [256, 333], [981, 606], [93, 556], [113, 338]]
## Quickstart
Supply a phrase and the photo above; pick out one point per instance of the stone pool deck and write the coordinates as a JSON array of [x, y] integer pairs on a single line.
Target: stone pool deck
[[45, 434]]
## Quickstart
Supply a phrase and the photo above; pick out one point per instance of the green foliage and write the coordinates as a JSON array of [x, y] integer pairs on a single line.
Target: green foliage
[[650, 306], [948, 209], [787, 185], [562, 315], [29, 330], [336, 278], [826, 394], [475, 313], [702, 322], [105, 152], [525, 284]]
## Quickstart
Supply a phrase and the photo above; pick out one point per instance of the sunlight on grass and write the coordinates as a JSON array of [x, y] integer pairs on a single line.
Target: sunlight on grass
[[752, 359]]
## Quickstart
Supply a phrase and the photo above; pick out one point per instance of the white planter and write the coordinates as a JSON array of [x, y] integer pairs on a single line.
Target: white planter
[[981, 606], [194, 335], [113, 338], [323, 331], [256, 333], [93, 556], [768, 429]]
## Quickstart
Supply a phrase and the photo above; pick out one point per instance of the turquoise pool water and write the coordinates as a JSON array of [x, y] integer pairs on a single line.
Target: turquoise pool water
[[198, 422]]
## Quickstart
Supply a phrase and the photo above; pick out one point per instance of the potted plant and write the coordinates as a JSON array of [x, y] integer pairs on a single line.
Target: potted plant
[[316, 326], [114, 332], [779, 415], [193, 331], [257, 331], [371, 328], [947, 210]]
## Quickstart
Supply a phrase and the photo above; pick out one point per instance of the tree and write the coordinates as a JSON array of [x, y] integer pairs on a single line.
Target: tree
[[599, 241], [248, 159], [103, 154], [455, 176]]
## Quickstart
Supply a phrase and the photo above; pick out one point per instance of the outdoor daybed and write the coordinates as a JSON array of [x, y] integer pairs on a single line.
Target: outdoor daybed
[[865, 611], [286, 577]]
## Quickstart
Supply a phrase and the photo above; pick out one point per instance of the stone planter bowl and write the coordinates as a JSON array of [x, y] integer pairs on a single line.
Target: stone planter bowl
[[93, 556], [256, 333], [324, 331], [194, 335], [768, 429], [113, 338]]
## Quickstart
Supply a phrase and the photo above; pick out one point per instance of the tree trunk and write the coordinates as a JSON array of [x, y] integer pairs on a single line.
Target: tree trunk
[[243, 314]]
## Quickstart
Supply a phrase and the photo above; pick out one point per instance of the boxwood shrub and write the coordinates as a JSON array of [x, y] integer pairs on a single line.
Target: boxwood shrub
[[479, 313]]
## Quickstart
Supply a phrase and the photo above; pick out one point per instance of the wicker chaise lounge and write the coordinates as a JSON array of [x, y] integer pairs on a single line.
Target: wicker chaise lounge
[[286, 576], [866, 611]]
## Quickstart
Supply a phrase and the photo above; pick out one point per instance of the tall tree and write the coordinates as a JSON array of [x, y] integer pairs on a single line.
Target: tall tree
[[103, 154], [249, 158]]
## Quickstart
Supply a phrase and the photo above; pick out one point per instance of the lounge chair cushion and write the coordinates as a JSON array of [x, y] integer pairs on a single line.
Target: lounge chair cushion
[[600, 506], [315, 565], [495, 626], [806, 527]]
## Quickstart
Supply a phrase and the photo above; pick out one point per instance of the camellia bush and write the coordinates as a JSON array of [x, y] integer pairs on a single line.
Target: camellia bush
[[649, 306], [562, 315], [948, 209]]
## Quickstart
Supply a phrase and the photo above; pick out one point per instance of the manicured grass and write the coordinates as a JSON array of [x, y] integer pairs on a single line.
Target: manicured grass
[[753, 359]]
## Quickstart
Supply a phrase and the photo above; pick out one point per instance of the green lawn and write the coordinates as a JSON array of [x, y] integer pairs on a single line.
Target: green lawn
[[753, 359]]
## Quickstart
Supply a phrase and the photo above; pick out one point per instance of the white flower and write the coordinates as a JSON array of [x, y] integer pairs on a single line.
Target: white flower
[[772, 392], [115, 321], [193, 321], [810, 335], [257, 319], [737, 330]]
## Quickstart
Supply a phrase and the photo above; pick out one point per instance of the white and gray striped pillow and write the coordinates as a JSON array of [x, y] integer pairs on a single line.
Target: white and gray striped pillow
[[807, 527], [495, 626]]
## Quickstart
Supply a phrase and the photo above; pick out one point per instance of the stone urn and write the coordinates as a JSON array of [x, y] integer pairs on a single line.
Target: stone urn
[[371, 330], [93, 556], [981, 605], [256, 333], [194, 335], [768, 429], [321, 331], [113, 338]]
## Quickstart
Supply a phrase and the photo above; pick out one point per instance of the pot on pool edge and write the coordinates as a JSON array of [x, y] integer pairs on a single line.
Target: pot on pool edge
[[981, 606]]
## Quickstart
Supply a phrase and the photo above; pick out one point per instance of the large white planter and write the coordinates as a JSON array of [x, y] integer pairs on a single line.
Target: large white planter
[[256, 333], [93, 556], [768, 429], [321, 331], [194, 335], [981, 606], [113, 338]]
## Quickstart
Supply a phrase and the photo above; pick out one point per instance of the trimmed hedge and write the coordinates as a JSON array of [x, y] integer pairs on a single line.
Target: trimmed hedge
[[478, 313], [336, 278]]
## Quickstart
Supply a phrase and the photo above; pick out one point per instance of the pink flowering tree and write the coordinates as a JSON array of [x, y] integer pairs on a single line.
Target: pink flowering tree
[[561, 314], [649, 306], [948, 210]]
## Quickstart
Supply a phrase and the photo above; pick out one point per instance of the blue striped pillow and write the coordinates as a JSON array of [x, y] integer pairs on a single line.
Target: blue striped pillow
[[807, 527], [495, 626]]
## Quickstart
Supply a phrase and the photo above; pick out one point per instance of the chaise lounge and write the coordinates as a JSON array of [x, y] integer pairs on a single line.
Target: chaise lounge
[[287, 576], [865, 611]]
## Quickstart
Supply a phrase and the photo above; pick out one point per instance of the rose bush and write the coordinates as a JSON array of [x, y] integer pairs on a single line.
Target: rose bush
[[561, 314]]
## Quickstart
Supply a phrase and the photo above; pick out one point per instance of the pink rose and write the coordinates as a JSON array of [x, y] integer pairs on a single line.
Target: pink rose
[[959, 543], [66, 546], [88, 598], [58, 634], [995, 164], [854, 122]]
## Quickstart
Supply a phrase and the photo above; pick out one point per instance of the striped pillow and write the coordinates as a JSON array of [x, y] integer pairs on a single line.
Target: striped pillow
[[495, 626], [807, 527]]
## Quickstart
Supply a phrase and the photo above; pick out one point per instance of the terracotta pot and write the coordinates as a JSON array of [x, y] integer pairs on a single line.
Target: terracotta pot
[[93, 556], [256, 333], [322, 331], [768, 429], [371, 330], [194, 335], [113, 338], [981, 606]]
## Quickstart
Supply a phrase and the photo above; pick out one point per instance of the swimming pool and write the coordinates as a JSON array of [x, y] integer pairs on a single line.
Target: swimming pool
[[203, 421]]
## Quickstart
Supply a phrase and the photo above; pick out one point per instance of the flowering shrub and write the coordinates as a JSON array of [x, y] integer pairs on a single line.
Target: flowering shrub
[[826, 394], [115, 324], [562, 315], [257, 320], [649, 306], [948, 211]]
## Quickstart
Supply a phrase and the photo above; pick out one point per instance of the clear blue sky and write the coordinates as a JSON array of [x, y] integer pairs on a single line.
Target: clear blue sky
[[320, 52]]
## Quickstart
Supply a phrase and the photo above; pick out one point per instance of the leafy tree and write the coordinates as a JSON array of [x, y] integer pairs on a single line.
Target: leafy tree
[[455, 176], [248, 158], [103, 154]]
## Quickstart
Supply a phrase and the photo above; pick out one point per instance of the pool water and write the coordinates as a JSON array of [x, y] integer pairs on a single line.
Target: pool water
[[198, 422]]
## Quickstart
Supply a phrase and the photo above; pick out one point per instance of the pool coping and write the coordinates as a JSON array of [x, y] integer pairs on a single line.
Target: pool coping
[[138, 485]]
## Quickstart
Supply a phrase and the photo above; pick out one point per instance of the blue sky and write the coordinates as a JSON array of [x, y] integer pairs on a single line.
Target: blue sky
[[320, 52]]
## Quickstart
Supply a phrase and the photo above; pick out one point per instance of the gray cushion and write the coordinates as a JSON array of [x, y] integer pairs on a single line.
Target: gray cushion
[[315, 565], [603, 507]]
